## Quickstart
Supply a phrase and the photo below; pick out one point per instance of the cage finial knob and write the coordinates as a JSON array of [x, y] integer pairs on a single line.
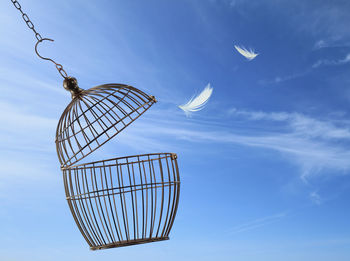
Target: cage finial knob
[[71, 84]]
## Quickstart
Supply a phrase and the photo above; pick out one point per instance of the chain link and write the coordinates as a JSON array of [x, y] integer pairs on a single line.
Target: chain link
[[60, 69], [26, 19], [38, 36]]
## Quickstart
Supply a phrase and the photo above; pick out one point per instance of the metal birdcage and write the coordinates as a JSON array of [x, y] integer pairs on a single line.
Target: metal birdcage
[[116, 202], [122, 201], [95, 116]]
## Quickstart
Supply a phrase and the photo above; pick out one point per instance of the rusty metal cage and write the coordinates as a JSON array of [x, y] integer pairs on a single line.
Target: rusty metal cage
[[122, 201], [95, 116]]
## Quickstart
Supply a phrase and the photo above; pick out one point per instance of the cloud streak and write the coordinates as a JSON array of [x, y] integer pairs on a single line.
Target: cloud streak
[[24, 131], [314, 145], [320, 63], [279, 79], [257, 223], [317, 64], [300, 124], [315, 198], [311, 144]]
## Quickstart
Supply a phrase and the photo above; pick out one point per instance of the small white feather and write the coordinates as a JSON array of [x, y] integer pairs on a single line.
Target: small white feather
[[197, 103], [249, 54]]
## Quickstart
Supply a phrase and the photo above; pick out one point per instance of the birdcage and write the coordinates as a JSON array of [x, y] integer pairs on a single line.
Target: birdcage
[[124, 201], [116, 202], [121, 201], [95, 116]]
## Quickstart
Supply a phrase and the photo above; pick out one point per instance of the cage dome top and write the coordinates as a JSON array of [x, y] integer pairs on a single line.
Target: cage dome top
[[95, 116]]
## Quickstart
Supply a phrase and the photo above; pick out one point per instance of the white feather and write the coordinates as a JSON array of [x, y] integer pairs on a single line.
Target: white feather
[[250, 55], [197, 103]]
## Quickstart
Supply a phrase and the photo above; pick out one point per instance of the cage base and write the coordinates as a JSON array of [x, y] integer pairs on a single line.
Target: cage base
[[129, 243]]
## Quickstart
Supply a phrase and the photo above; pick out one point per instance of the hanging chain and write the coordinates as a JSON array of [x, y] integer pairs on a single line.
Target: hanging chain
[[30, 25], [27, 20]]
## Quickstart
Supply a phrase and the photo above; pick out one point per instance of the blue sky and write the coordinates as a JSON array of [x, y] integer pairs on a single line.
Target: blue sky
[[264, 167]]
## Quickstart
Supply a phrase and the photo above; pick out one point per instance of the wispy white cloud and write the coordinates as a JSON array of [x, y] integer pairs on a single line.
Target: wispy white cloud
[[284, 78], [27, 149], [315, 197], [300, 124], [257, 223], [319, 63], [21, 130], [314, 145], [311, 143], [320, 44], [330, 43], [15, 119], [324, 19], [260, 115]]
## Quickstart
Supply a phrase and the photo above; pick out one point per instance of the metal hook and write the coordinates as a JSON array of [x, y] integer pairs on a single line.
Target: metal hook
[[36, 49], [59, 67]]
